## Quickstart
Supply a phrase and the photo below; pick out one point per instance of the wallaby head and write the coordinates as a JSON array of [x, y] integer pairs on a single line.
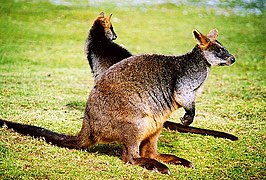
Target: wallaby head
[[106, 25], [215, 53]]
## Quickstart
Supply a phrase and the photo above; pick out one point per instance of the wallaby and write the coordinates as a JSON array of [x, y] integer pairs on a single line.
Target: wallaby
[[100, 49], [131, 107], [102, 53]]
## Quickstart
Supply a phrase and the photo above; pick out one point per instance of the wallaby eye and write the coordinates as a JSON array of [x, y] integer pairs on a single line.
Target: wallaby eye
[[220, 50], [103, 21]]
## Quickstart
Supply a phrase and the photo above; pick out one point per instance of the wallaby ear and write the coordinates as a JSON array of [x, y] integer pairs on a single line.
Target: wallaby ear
[[109, 17], [213, 34], [201, 39], [101, 15]]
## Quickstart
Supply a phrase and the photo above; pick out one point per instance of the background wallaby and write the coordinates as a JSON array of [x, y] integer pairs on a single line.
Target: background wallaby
[[100, 49], [131, 107], [102, 53]]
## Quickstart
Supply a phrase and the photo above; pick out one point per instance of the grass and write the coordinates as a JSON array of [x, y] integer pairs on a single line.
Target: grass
[[45, 80]]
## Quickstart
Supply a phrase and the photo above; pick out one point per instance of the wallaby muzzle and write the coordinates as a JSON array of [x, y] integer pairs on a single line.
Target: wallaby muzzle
[[114, 37], [230, 60]]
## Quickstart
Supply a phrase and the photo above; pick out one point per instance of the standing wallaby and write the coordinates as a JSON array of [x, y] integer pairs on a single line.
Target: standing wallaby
[[102, 53], [131, 107]]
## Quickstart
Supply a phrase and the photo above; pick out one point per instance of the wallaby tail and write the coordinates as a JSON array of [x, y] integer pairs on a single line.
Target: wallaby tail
[[189, 129], [61, 140]]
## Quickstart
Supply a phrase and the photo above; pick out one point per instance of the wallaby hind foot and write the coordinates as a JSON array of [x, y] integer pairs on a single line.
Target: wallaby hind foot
[[152, 164], [172, 159], [131, 154]]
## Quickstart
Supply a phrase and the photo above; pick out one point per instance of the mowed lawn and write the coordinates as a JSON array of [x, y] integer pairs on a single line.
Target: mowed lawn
[[45, 80]]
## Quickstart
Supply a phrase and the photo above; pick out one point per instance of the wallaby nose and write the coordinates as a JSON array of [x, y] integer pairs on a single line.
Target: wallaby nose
[[114, 37], [232, 59]]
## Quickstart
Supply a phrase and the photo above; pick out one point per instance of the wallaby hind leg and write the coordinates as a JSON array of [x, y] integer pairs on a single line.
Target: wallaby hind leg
[[148, 149], [84, 137], [131, 155]]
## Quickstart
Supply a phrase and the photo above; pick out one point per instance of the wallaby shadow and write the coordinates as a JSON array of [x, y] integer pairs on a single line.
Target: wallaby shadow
[[112, 149]]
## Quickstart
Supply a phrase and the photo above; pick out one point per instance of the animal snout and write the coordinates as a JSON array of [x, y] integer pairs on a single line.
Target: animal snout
[[231, 60], [114, 37]]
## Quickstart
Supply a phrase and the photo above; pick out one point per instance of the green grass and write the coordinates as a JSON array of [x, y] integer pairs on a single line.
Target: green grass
[[45, 80]]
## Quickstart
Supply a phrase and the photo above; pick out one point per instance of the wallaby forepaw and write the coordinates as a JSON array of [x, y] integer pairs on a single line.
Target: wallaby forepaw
[[186, 120]]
